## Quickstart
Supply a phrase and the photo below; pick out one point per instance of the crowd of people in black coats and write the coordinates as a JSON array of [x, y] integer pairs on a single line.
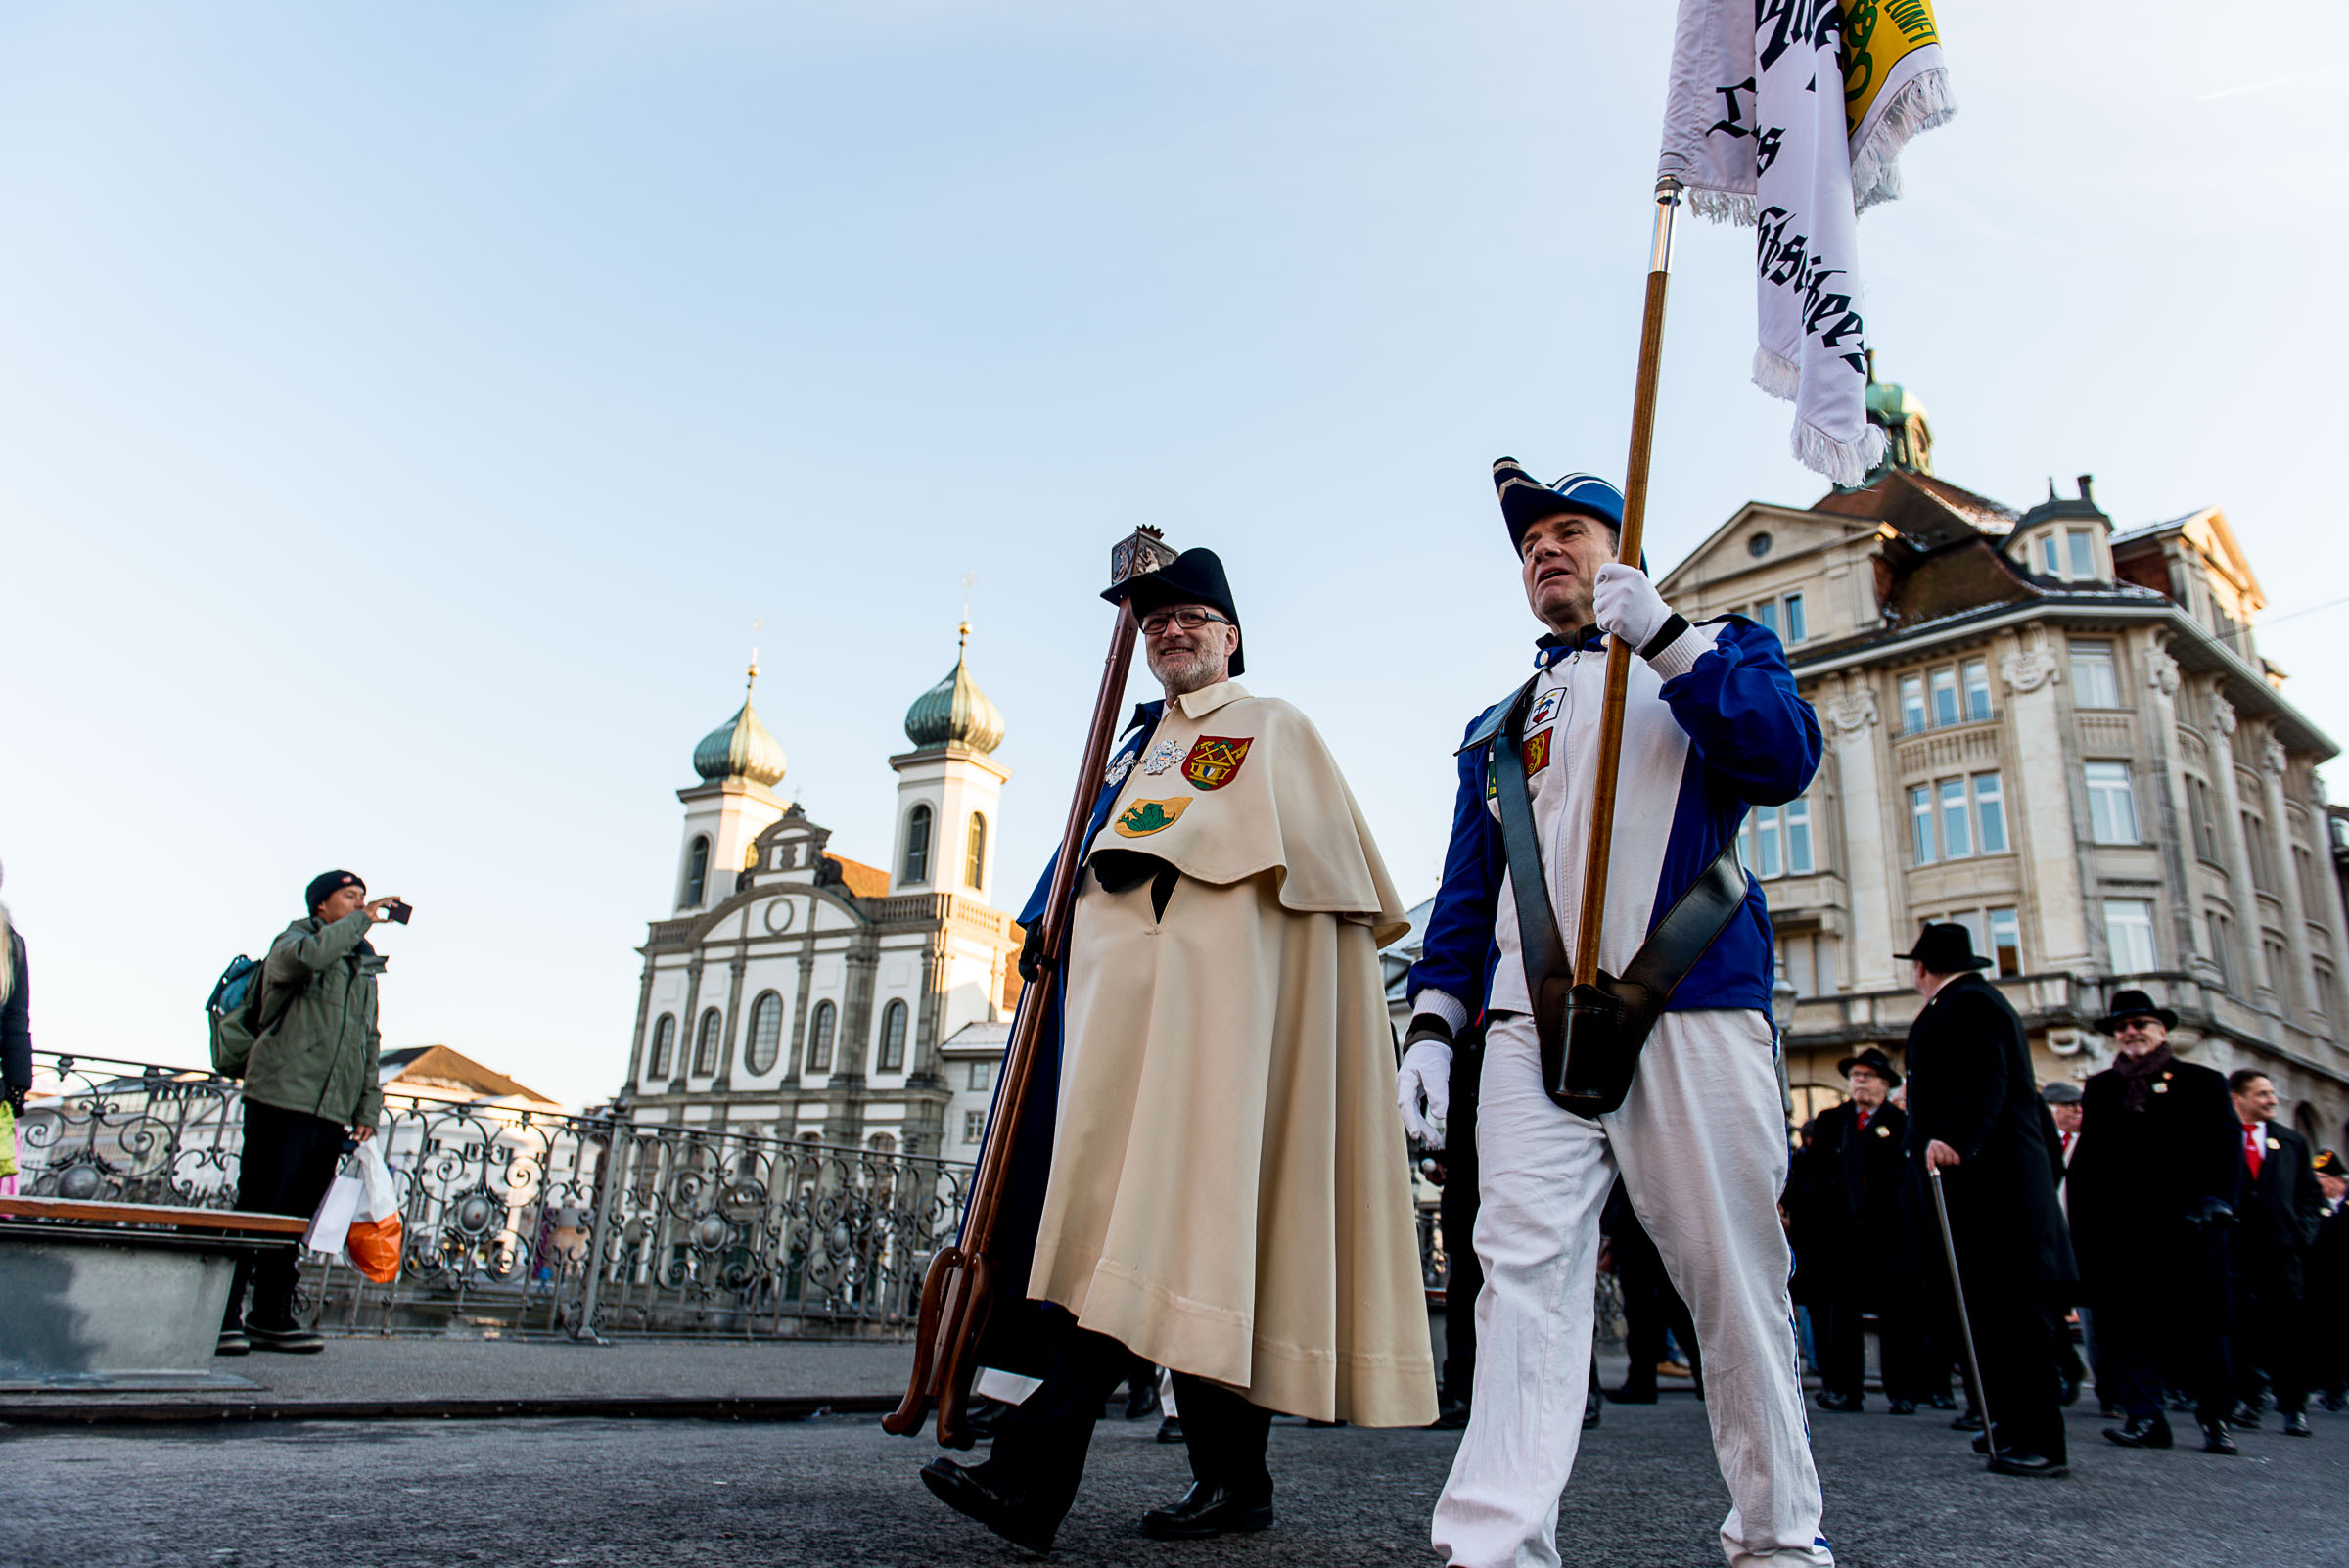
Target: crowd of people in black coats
[[2152, 1234]]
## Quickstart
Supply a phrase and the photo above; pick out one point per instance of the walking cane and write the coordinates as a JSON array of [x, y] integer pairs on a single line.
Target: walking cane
[[1965, 1326]]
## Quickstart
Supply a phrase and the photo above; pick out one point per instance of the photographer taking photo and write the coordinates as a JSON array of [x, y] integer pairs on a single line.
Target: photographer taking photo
[[311, 1090]]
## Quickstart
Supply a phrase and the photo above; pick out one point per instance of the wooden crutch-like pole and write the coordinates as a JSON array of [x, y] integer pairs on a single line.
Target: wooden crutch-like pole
[[1619, 652]]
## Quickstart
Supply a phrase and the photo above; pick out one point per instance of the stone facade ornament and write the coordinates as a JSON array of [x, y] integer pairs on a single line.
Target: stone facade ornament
[[2222, 714], [2026, 672], [2161, 672], [2272, 754], [1854, 711]]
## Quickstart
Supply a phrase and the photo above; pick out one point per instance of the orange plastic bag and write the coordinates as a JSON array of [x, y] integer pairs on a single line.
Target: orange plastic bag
[[374, 1243]]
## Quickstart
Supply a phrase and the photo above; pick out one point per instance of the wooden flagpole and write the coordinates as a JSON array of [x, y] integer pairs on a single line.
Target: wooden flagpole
[[1619, 653], [960, 1287]]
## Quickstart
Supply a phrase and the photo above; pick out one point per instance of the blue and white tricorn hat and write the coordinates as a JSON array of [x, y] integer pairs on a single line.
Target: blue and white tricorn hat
[[1524, 500]]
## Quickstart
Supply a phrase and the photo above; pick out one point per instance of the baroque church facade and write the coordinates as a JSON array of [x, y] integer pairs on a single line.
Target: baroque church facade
[[793, 993]]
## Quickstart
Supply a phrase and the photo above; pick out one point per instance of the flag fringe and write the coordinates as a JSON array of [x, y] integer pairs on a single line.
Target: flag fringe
[[1922, 103], [1846, 463], [1724, 207], [1777, 375]]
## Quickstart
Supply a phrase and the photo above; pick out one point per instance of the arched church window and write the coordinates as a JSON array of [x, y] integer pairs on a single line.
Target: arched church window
[[664, 1045], [697, 873], [705, 1048], [766, 1033], [819, 1037], [974, 867], [892, 1037], [917, 845]]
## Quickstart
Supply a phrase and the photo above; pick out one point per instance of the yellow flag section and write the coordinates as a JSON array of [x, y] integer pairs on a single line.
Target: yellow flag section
[[1893, 86], [1231, 1193]]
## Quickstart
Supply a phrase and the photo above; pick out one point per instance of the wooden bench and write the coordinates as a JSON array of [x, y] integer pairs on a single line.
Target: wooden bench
[[125, 1296]]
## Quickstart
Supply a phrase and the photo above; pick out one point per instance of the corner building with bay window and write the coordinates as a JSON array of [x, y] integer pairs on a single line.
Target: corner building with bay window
[[2059, 734], [793, 993]]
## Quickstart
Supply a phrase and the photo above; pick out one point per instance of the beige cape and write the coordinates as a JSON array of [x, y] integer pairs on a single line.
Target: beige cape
[[1229, 1193]]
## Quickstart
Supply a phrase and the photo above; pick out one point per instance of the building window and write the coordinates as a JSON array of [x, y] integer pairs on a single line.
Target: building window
[[1797, 627], [1977, 688], [2328, 995], [1775, 840], [2094, 681], [2111, 804], [2279, 963], [704, 1046], [1767, 615], [892, 1037], [2311, 892], [2204, 815], [1989, 812], [664, 1046], [974, 860], [766, 1033], [1913, 703], [983, 1076], [2222, 949], [1957, 833], [2129, 936], [1976, 933], [697, 873], [2084, 558], [1797, 813], [1945, 696], [2048, 566], [2006, 942], [917, 845], [974, 1126], [819, 1037], [1920, 817], [2255, 844]]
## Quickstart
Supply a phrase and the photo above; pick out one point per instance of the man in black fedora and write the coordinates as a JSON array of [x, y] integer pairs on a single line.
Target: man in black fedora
[[2151, 1189], [1848, 1185], [1975, 1118]]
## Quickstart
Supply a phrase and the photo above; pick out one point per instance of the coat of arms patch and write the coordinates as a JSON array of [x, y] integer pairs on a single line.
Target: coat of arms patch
[[1145, 817], [1215, 759]]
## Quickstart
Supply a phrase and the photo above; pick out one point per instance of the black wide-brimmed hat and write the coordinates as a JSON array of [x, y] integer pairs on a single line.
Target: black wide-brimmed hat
[[1945, 950], [1524, 500], [2133, 1004], [1877, 1062], [1195, 576]]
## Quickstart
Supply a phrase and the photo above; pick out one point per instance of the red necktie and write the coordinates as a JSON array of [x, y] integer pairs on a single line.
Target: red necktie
[[1863, 1121], [2251, 1155]]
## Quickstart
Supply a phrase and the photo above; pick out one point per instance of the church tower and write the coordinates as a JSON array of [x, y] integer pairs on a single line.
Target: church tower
[[739, 764], [948, 788]]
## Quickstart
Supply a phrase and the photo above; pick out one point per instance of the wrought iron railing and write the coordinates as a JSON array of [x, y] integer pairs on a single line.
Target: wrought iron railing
[[527, 1219]]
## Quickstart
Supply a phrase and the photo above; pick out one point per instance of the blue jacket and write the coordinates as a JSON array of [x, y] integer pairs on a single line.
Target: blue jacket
[[1752, 741]]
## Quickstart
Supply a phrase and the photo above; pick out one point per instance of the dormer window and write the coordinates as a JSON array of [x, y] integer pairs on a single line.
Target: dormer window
[[2084, 555], [2049, 564]]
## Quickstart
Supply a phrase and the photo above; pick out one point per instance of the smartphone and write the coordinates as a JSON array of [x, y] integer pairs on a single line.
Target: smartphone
[[400, 910]]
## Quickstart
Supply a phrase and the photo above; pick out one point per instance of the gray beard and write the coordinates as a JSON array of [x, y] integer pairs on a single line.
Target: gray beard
[[1189, 673]]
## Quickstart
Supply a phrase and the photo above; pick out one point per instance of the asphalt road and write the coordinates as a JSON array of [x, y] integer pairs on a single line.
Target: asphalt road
[[1901, 1494]]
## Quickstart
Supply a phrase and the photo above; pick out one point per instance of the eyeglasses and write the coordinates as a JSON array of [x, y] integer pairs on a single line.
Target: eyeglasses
[[1190, 617]]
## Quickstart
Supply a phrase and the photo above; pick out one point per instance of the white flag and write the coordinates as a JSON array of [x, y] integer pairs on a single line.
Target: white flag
[[1790, 115]]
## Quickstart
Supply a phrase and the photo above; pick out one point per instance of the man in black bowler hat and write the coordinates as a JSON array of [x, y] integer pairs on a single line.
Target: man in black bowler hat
[[1975, 1117], [2151, 1189], [1850, 1182]]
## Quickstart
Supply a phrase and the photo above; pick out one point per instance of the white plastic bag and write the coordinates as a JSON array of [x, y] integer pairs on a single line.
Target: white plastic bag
[[372, 1239], [331, 1224]]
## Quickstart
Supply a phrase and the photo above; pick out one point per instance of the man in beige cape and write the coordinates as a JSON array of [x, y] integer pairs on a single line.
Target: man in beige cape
[[1225, 1193]]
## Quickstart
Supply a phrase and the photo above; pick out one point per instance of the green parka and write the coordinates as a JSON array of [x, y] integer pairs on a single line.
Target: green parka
[[321, 1058]]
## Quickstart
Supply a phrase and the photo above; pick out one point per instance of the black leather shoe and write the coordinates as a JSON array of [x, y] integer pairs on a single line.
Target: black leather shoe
[[1207, 1510], [2143, 1432], [1840, 1404], [1970, 1421], [1451, 1414], [969, 1490], [1982, 1444], [1141, 1402], [2295, 1424], [2244, 1418], [2215, 1439], [2013, 1461], [1900, 1408], [1629, 1394], [2336, 1401], [1942, 1401]]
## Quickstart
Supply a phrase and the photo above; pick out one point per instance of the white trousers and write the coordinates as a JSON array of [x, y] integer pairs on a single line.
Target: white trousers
[[1701, 1145]]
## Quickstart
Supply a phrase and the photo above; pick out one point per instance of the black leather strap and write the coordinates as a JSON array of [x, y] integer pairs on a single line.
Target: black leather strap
[[1537, 941]]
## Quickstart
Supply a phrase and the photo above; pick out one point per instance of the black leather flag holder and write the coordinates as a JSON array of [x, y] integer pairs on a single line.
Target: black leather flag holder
[[1591, 1034]]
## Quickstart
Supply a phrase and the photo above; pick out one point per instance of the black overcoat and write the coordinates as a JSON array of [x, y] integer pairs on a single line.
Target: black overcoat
[[1970, 1087], [2280, 1208], [2137, 1178], [1849, 1195]]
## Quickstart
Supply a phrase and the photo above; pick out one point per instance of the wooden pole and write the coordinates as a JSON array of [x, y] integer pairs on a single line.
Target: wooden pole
[[960, 1286], [1619, 653]]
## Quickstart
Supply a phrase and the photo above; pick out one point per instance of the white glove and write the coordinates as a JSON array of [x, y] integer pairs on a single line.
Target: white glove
[[1628, 605], [1426, 1075]]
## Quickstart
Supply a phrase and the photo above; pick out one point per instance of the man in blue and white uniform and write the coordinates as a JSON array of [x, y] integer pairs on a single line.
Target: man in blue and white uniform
[[1712, 725]]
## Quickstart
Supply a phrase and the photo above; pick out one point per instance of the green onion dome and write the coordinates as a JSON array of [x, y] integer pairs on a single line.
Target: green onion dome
[[740, 748], [956, 711]]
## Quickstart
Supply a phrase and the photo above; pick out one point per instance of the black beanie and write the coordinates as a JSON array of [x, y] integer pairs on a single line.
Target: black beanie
[[326, 884]]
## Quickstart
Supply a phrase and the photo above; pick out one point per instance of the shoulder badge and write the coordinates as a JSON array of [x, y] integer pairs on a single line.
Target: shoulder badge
[[1165, 755], [1536, 751], [1145, 817], [1215, 759], [1548, 708], [1117, 769]]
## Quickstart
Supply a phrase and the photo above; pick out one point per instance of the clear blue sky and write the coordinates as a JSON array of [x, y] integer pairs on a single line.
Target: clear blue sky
[[405, 411]]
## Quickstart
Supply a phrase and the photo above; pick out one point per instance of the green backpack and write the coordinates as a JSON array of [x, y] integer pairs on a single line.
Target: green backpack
[[234, 1014]]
